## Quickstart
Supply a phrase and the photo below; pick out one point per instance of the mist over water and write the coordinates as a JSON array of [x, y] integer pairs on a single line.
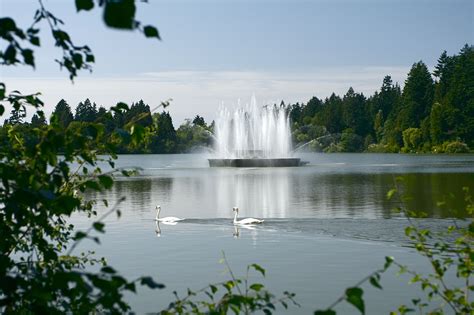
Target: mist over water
[[253, 131]]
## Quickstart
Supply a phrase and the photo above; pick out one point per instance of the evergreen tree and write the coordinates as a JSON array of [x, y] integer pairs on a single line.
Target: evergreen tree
[[164, 141], [443, 72], [199, 121], [312, 107], [86, 111], [386, 100], [331, 115], [63, 113], [296, 113], [354, 113], [140, 114], [378, 126], [38, 120], [417, 96], [459, 98], [104, 117]]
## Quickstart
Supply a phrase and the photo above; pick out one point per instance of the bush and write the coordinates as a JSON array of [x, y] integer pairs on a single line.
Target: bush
[[455, 146]]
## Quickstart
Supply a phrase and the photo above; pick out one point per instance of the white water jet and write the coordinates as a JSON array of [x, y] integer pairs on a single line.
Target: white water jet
[[253, 132]]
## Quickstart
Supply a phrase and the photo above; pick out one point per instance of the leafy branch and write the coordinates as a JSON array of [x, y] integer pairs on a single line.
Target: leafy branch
[[229, 295]]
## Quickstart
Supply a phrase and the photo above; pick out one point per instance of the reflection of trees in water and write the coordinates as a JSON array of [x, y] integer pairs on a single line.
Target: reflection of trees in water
[[364, 195], [342, 195], [139, 192], [427, 190], [288, 193]]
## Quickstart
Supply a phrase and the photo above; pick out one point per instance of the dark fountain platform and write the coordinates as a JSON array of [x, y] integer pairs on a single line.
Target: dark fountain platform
[[256, 162]]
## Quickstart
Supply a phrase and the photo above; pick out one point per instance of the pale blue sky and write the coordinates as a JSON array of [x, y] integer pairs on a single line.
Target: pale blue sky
[[214, 51]]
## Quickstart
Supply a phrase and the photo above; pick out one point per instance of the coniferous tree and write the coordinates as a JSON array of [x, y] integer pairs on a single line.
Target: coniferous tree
[[38, 121], [443, 72], [378, 126], [199, 121], [63, 113], [140, 114], [164, 141], [354, 113], [86, 111], [459, 98], [417, 96]]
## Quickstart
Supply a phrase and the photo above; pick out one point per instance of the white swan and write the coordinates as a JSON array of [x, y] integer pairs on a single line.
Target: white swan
[[166, 220], [246, 221]]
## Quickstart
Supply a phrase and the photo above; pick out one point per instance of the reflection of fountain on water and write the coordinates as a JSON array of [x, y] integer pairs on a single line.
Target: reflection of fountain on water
[[262, 194], [253, 136]]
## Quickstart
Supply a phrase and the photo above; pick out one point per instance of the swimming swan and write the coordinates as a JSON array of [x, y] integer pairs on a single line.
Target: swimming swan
[[166, 220], [246, 221]]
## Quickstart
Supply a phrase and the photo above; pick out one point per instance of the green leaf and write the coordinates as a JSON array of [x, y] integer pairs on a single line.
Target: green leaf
[[108, 269], [213, 289], [354, 297], [7, 25], [34, 40], [151, 31], [2, 109], [79, 235], [149, 282], [98, 226], [10, 54], [258, 268], [388, 262], [120, 14], [390, 193], [92, 185], [256, 286], [78, 62], [106, 181], [85, 5], [90, 58], [375, 282], [326, 312]]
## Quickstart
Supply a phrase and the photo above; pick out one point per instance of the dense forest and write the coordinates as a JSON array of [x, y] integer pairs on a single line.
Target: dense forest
[[434, 112]]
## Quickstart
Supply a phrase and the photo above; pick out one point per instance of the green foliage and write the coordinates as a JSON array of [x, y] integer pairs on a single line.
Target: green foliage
[[455, 146], [192, 135], [417, 96], [237, 295], [62, 113], [38, 194], [351, 142], [44, 171], [86, 111], [412, 140], [441, 109], [447, 252]]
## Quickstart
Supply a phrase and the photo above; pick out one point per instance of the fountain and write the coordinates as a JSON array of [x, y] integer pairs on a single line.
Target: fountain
[[253, 137]]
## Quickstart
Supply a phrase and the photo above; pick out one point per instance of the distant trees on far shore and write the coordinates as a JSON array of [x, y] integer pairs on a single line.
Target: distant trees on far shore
[[427, 115], [432, 113]]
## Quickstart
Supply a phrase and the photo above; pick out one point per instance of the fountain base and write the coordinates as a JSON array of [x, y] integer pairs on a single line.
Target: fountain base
[[256, 162]]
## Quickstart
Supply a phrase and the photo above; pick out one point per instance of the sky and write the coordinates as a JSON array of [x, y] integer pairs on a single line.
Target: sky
[[216, 53]]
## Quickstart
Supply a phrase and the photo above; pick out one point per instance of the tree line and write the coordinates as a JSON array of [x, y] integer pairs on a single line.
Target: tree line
[[158, 132], [434, 112]]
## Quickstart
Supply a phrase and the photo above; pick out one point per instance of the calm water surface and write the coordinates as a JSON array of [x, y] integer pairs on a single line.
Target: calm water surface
[[327, 224]]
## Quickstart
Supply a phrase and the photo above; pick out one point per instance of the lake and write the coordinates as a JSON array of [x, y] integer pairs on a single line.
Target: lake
[[327, 224]]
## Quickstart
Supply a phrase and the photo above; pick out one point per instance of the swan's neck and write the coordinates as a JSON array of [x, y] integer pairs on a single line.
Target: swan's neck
[[235, 216], [157, 213]]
